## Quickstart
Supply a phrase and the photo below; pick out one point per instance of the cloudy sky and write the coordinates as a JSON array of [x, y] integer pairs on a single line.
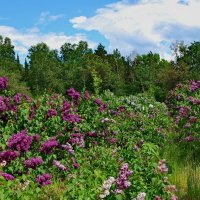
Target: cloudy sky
[[129, 25]]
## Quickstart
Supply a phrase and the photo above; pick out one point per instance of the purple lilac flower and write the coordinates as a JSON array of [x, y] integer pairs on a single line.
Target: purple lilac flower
[[122, 180], [189, 138], [37, 138], [33, 162], [194, 85], [51, 113], [6, 176], [194, 101], [20, 141], [8, 155], [98, 102], [3, 106], [49, 145], [66, 106], [102, 108], [3, 83], [113, 140], [74, 95], [87, 95], [44, 179], [92, 134], [71, 117], [17, 98], [192, 119], [75, 165]]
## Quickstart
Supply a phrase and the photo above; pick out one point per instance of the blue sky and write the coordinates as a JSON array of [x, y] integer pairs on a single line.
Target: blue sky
[[129, 25]]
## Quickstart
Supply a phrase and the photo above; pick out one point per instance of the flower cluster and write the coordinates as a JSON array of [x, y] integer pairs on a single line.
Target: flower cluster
[[8, 155], [105, 188], [194, 101], [4, 104], [33, 162], [24, 185], [3, 163], [122, 180], [66, 106], [17, 98], [20, 141], [98, 102], [162, 166], [44, 179], [77, 139], [51, 113], [3, 83], [60, 166], [140, 196], [194, 85], [71, 117], [69, 148], [49, 145], [87, 95], [6, 176], [74, 95]]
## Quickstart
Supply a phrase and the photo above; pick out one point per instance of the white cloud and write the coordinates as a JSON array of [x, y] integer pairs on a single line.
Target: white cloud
[[46, 17], [145, 25], [23, 40]]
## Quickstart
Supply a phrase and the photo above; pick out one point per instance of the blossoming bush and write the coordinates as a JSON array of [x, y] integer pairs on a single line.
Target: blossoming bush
[[184, 107], [100, 147]]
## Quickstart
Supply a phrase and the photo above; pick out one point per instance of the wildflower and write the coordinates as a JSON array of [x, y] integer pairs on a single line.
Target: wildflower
[[74, 95], [171, 188], [44, 179]]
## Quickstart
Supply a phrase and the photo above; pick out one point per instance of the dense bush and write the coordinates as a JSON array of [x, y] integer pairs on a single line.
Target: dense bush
[[96, 147]]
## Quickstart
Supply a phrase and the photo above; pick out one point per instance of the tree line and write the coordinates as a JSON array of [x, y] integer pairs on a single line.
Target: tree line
[[78, 66]]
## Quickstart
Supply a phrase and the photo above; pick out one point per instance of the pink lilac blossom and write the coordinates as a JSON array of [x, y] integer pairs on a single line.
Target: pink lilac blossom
[[74, 95], [194, 85], [69, 148], [105, 188], [162, 166], [60, 166], [20, 141]]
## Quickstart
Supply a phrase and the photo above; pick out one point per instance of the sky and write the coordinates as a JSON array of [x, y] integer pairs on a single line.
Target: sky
[[128, 25]]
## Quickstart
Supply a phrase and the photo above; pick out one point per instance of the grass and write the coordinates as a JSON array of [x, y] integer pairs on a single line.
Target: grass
[[185, 171]]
